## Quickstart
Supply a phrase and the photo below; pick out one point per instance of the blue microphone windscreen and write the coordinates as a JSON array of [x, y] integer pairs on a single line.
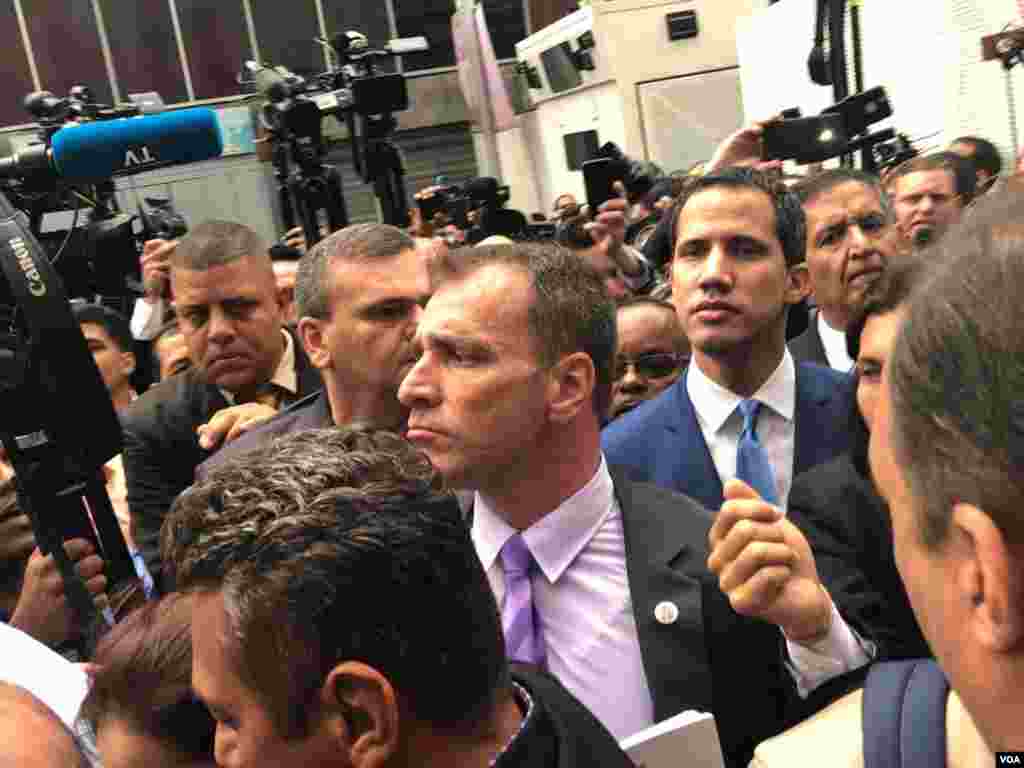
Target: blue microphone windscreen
[[102, 149]]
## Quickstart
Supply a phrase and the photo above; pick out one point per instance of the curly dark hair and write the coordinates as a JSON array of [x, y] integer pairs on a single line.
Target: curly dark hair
[[342, 545]]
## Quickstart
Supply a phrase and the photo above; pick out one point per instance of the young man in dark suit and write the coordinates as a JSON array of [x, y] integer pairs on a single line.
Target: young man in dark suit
[[601, 580], [851, 237], [341, 618], [359, 296], [738, 264], [245, 365]]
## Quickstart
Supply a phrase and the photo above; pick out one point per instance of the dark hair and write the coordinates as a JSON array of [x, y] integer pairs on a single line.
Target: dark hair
[[886, 295], [682, 344], [370, 242], [896, 285], [809, 188], [965, 181], [570, 312], [114, 324], [342, 545], [985, 156], [217, 243], [790, 222], [957, 375], [144, 673]]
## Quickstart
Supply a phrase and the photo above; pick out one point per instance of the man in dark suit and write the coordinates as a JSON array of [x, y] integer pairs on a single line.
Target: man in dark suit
[[362, 628], [359, 295], [851, 237], [738, 265], [601, 580], [245, 366]]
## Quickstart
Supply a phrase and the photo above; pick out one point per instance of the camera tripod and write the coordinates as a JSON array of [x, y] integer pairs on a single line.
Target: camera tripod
[[380, 163], [310, 195]]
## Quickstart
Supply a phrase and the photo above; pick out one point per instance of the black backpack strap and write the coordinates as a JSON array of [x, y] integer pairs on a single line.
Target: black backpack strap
[[904, 714]]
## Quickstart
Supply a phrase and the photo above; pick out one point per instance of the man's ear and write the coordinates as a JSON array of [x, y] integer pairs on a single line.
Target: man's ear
[[360, 710], [311, 333], [988, 579], [798, 283], [571, 387]]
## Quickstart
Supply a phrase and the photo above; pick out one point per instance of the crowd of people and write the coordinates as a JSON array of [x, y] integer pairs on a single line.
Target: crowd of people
[[746, 443]]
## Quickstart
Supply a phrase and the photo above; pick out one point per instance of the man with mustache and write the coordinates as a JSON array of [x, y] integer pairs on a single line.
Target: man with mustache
[[245, 365], [851, 236]]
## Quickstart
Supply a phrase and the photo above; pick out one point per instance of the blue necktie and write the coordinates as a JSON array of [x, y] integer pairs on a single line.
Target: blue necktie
[[752, 465]]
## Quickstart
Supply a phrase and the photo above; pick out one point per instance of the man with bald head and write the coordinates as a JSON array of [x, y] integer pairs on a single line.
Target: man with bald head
[[52, 744], [245, 366]]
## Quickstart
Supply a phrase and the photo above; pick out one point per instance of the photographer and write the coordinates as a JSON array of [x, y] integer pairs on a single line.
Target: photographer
[[600, 242]]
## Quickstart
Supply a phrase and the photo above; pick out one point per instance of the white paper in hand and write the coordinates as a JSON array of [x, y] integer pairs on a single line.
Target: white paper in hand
[[688, 739]]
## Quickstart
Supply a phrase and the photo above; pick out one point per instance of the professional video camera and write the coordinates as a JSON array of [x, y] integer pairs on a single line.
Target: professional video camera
[[354, 93], [63, 182], [836, 131], [59, 426], [889, 154], [162, 220]]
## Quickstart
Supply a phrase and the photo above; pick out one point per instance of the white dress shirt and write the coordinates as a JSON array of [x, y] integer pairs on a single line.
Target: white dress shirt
[[834, 343], [147, 319], [721, 422], [841, 649], [582, 599]]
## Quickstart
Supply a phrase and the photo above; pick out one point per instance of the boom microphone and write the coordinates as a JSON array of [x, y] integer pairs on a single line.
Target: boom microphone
[[98, 150]]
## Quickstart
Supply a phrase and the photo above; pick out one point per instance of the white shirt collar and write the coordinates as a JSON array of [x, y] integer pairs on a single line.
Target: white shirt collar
[[834, 343], [557, 538], [285, 376], [715, 404]]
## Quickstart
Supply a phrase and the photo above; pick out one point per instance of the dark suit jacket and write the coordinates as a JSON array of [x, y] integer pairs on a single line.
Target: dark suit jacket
[[561, 732], [161, 450], [312, 412], [711, 658], [807, 347], [848, 527], [661, 441]]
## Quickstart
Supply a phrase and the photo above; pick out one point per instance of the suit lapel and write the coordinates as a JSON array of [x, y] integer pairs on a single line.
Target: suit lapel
[[812, 397], [694, 473], [666, 536]]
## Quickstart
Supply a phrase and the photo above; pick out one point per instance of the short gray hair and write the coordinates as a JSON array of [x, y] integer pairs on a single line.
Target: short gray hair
[[215, 243], [369, 242]]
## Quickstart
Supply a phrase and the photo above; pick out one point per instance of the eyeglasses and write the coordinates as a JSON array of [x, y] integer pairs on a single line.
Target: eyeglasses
[[654, 365]]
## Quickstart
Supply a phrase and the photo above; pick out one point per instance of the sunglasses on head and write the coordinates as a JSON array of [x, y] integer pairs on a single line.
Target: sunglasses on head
[[654, 365]]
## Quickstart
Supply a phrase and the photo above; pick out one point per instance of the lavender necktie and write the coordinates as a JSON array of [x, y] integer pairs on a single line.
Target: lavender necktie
[[752, 464], [523, 639]]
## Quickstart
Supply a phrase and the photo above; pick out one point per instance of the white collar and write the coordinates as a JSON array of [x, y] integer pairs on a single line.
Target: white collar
[[834, 343], [557, 538], [284, 376], [715, 404]]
